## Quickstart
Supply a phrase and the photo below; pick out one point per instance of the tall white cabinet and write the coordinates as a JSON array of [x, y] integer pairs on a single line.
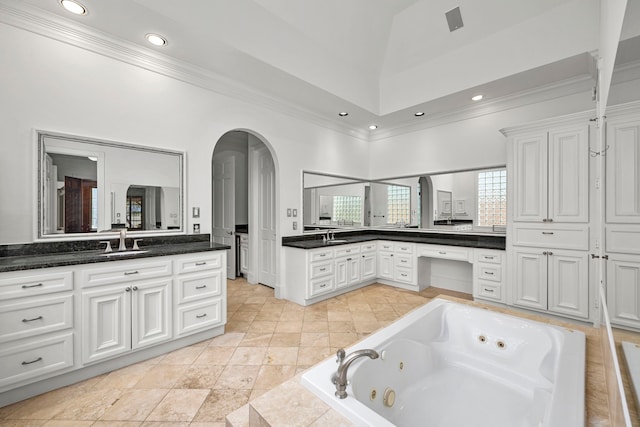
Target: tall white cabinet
[[622, 215], [548, 233]]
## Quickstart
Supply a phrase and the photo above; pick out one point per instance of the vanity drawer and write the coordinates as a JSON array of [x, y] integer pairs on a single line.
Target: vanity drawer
[[490, 290], [124, 273], [321, 286], [624, 239], [192, 264], [199, 286], [404, 248], [445, 252], [18, 285], [198, 316], [386, 247], [490, 272], [490, 257], [35, 316], [347, 250], [321, 255], [404, 261], [321, 269], [35, 358], [562, 237], [368, 247], [404, 275]]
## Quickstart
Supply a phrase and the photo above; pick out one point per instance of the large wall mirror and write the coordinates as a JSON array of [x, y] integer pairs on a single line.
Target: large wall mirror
[[86, 186], [461, 200]]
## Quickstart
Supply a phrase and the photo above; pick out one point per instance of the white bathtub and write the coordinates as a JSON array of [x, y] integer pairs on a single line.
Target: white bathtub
[[450, 364]]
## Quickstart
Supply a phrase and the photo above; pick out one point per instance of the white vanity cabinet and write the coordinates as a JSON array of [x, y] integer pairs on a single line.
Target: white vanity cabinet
[[36, 325], [199, 293], [548, 229], [397, 263], [622, 215], [244, 254], [125, 306], [369, 261], [488, 275], [347, 265]]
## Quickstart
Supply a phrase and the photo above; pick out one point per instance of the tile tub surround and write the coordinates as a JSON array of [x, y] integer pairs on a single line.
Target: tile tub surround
[[309, 410], [470, 240], [56, 254]]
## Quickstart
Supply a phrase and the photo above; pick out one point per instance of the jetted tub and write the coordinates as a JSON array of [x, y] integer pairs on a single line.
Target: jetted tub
[[450, 364]]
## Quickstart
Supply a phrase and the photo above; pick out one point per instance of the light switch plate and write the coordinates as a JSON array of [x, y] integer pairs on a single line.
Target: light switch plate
[[288, 212], [195, 212], [295, 213]]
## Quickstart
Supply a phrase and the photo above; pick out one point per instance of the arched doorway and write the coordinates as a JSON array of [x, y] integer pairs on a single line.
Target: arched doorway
[[244, 204]]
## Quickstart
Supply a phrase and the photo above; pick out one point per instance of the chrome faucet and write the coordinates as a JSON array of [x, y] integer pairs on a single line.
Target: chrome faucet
[[340, 377], [123, 236]]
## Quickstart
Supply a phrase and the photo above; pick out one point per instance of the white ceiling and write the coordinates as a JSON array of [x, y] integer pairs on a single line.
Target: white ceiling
[[380, 60]]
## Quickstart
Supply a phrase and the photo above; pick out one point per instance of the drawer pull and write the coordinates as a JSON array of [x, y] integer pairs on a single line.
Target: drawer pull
[[323, 269], [403, 260], [442, 253], [32, 320], [322, 255], [403, 274], [487, 290], [488, 257], [32, 286], [490, 273], [201, 263], [324, 285], [200, 316], [547, 232], [129, 273], [201, 287], [349, 259], [33, 361]]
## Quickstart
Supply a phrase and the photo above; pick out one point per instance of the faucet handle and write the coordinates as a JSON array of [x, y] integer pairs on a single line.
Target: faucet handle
[[135, 244], [108, 248], [340, 354]]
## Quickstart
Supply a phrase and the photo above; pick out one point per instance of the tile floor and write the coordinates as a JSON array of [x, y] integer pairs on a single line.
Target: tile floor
[[267, 342]]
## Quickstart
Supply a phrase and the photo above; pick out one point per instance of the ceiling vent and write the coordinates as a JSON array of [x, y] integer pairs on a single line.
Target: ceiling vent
[[454, 19]]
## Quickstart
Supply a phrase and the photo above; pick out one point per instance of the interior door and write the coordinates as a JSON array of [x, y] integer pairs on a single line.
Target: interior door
[[224, 206], [267, 218]]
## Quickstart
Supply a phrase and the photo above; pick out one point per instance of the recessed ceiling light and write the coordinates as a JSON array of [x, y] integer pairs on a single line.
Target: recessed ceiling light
[[74, 7], [156, 39], [419, 114], [373, 127], [477, 97], [343, 113]]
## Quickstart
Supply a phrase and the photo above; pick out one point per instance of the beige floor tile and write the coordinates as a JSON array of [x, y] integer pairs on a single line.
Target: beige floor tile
[[243, 316], [67, 423], [200, 376], [101, 423], [162, 376], [308, 356], [256, 339], [272, 376], [262, 326], [339, 316], [314, 339], [182, 356], [219, 403], [126, 377], [229, 339], [281, 356], [315, 326], [291, 316], [134, 405], [215, 356], [237, 377], [341, 327], [247, 356], [179, 405], [23, 423], [285, 339], [90, 405], [269, 316], [342, 339]]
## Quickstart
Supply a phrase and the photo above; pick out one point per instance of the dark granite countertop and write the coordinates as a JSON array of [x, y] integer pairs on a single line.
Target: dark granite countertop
[[470, 240], [27, 257]]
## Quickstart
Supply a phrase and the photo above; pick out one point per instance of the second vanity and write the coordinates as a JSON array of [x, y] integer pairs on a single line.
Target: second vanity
[[68, 316], [318, 269]]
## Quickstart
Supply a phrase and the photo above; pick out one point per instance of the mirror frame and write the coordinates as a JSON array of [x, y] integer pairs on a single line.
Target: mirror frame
[[40, 136]]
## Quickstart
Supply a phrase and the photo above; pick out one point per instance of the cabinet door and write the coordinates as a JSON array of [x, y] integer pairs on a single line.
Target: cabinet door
[[342, 275], [623, 290], [353, 269], [530, 176], [623, 172], [244, 258], [530, 278], [106, 322], [368, 266], [569, 175], [569, 283], [385, 266], [151, 313]]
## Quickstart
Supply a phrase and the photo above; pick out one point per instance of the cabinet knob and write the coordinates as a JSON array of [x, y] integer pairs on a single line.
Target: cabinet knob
[[127, 289], [135, 288]]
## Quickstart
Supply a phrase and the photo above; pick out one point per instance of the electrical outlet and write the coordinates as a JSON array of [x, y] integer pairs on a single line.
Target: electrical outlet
[[295, 225]]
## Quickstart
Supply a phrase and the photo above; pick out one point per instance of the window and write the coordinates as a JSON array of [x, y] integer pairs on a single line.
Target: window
[[347, 209], [398, 204], [492, 198]]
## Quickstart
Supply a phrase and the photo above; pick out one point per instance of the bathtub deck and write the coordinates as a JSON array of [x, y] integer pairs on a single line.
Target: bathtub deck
[[291, 402]]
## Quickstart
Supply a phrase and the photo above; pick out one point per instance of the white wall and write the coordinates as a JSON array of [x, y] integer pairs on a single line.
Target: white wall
[[53, 86]]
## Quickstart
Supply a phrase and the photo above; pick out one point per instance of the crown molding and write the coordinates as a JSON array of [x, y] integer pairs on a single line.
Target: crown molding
[[40, 22]]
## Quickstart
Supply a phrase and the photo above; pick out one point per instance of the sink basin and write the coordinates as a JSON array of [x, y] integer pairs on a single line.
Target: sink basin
[[336, 241], [123, 253]]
